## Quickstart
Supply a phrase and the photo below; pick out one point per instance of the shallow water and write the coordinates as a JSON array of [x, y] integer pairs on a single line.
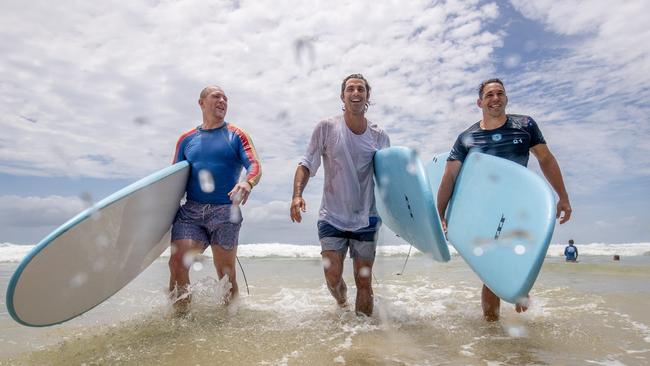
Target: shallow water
[[592, 312]]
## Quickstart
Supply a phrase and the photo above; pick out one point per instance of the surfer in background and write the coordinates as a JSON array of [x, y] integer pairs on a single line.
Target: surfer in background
[[571, 252], [347, 216], [511, 137], [217, 151]]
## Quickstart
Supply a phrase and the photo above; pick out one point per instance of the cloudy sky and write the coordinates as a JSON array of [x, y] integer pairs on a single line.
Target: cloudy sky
[[93, 95]]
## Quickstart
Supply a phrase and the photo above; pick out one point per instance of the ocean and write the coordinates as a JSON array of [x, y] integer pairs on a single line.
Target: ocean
[[593, 312]]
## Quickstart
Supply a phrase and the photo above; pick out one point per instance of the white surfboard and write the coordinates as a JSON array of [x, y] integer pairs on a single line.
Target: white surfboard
[[92, 256]]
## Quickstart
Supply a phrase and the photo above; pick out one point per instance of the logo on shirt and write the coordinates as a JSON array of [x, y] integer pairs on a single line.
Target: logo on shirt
[[518, 141], [496, 137]]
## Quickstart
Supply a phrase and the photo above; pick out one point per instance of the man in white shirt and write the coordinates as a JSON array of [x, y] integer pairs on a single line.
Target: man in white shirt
[[347, 216]]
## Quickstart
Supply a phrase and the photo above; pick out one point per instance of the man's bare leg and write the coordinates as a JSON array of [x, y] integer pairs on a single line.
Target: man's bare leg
[[224, 262], [363, 278], [491, 304], [333, 268], [179, 278]]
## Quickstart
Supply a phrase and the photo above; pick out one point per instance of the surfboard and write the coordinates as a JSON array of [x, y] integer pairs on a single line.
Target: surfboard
[[96, 253], [405, 202], [500, 220]]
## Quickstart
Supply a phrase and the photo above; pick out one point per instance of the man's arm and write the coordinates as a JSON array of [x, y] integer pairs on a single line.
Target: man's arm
[[452, 168], [551, 170], [299, 183]]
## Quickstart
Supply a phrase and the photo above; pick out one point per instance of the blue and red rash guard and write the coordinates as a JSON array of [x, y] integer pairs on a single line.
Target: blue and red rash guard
[[222, 152]]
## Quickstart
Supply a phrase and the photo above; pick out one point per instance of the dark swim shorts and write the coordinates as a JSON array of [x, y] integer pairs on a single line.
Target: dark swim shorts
[[210, 224], [362, 242]]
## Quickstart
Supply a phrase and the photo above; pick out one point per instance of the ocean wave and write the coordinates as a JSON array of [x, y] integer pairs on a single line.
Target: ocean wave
[[16, 252]]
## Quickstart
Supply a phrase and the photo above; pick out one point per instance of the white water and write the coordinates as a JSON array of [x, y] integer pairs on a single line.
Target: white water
[[15, 253]]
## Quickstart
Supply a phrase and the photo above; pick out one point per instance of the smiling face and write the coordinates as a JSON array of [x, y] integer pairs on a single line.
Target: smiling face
[[355, 96], [214, 103], [494, 100]]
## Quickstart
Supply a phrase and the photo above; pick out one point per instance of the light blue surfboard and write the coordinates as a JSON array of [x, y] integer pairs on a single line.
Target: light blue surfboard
[[500, 220], [96, 253], [405, 201]]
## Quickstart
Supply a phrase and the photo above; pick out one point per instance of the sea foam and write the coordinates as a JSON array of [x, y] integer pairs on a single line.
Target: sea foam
[[15, 252]]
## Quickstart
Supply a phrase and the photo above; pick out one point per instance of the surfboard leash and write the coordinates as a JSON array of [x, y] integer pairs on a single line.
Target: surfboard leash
[[406, 261], [243, 273]]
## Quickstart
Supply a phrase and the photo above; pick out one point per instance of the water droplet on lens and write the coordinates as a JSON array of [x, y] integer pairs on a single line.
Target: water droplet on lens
[[364, 272], [411, 168], [478, 251], [326, 263], [235, 214], [206, 181], [188, 259], [78, 280], [99, 265], [516, 331], [512, 60], [101, 241], [197, 266], [468, 140], [520, 249]]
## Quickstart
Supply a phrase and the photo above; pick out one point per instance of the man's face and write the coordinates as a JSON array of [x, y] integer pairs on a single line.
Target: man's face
[[494, 100], [215, 103], [355, 96]]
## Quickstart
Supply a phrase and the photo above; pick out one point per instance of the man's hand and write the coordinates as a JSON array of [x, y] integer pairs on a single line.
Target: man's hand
[[297, 205], [563, 206], [239, 194]]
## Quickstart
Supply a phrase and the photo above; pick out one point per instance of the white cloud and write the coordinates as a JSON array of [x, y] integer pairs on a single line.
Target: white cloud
[[591, 99], [121, 81], [16, 211]]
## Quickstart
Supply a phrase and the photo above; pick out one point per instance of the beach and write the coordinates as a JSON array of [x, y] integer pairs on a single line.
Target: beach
[[590, 312]]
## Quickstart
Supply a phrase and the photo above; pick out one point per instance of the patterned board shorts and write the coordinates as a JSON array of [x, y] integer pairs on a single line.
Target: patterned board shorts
[[362, 242], [210, 224]]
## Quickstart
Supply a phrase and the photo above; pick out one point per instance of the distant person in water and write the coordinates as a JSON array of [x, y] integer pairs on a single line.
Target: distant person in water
[[508, 136], [217, 151], [571, 252]]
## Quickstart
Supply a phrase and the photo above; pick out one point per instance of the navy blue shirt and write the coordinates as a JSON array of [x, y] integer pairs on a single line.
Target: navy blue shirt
[[570, 252], [511, 141], [222, 153]]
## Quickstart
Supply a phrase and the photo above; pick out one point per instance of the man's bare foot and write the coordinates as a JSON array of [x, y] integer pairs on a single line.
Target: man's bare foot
[[181, 307]]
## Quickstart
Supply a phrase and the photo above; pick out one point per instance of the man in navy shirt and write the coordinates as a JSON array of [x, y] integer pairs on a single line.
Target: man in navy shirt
[[571, 252], [508, 136]]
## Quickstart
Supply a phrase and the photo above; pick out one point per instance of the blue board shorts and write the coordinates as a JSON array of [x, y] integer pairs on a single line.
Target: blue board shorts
[[362, 242], [209, 224]]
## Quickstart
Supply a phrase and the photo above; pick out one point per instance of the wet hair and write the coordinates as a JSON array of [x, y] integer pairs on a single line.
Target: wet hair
[[486, 82], [570, 241], [355, 76], [206, 90]]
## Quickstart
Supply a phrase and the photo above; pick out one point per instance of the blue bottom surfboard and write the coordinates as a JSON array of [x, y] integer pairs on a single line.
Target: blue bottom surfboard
[[99, 251], [500, 220], [405, 201]]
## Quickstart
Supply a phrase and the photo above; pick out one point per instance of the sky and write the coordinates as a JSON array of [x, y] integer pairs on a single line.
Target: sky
[[94, 95]]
